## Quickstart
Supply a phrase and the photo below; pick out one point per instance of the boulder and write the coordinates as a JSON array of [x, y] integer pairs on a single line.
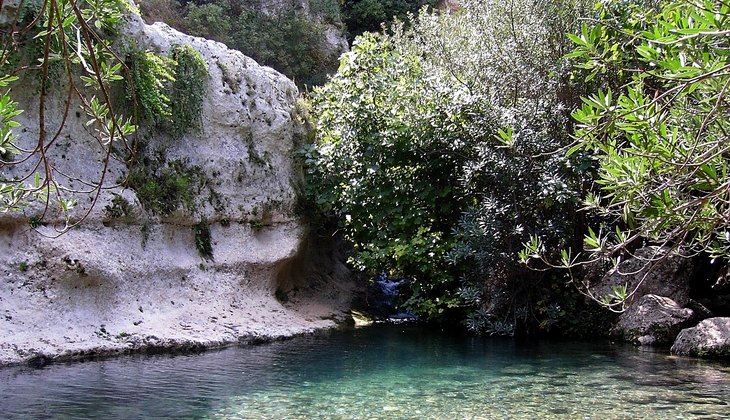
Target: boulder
[[650, 271], [710, 338], [653, 320], [701, 311]]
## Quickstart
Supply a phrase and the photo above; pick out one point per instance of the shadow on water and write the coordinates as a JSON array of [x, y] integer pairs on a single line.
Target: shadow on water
[[386, 371]]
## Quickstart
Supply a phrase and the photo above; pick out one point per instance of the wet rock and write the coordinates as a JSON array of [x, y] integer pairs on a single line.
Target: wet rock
[[653, 321], [710, 338]]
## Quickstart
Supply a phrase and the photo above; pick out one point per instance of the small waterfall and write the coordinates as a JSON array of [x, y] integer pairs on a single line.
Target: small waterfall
[[383, 292]]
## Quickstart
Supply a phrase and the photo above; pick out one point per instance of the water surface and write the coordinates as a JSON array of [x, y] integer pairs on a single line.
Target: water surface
[[382, 372]]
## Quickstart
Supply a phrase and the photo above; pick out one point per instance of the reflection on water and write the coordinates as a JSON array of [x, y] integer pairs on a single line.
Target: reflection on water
[[383, 372]]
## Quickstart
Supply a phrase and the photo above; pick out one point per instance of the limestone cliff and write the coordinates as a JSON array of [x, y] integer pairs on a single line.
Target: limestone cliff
[[125, 284]]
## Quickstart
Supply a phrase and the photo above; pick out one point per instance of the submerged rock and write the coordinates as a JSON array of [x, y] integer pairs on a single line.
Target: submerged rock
[[710, 338], [653, 320]]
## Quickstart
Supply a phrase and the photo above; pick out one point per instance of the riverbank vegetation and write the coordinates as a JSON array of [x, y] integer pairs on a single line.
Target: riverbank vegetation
[[490, 155], [488, 158]]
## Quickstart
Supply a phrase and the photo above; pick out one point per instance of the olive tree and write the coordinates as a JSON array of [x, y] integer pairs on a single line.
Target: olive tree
[[660, 137]]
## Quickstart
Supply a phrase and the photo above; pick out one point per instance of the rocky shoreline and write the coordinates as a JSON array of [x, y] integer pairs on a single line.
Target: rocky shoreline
[[52, 312], [135, 344]]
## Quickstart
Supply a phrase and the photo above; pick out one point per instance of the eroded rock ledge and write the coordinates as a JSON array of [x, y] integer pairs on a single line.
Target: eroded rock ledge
[[140, 283]]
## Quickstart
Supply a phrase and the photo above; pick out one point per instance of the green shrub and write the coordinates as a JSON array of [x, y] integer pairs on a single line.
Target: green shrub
[[387, 165], [164, 187], [120, 209], [281, 296], [183, 76], [211, 21], [203, 242], [188, 90], [440, 164], [286, 40], [151, 75], [327, 10], [371, 15]]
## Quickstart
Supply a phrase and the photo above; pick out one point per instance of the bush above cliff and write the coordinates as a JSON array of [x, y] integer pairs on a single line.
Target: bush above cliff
[[282, 36]]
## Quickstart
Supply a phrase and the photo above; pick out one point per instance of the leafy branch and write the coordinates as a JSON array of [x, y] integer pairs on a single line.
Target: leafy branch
[[661, 138], [73, 37]]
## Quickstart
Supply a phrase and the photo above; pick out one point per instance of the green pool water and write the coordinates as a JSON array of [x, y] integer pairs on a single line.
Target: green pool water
[[381, 372]]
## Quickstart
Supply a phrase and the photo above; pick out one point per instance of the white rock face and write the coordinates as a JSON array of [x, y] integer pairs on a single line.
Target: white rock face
[[139, 284], [249, 127]]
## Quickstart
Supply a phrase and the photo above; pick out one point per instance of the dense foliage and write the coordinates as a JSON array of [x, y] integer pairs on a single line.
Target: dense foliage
[[371, 15], [661, 136], [168, 92], [440, 163], [151, 75], [387, 164], [187, 91], [286, 40]]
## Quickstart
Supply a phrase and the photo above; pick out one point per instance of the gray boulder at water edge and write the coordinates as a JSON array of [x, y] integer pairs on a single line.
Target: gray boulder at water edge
[[649, 270], [710, 338], [653, 320]]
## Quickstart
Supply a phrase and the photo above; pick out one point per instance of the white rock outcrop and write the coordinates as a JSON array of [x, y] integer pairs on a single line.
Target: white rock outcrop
[[141, 283]]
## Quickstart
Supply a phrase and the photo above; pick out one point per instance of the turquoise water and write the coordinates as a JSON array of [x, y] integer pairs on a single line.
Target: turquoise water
[[382, 372]]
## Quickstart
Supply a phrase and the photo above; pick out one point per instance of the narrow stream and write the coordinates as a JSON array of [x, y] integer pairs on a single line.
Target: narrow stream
[[381, 372]]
